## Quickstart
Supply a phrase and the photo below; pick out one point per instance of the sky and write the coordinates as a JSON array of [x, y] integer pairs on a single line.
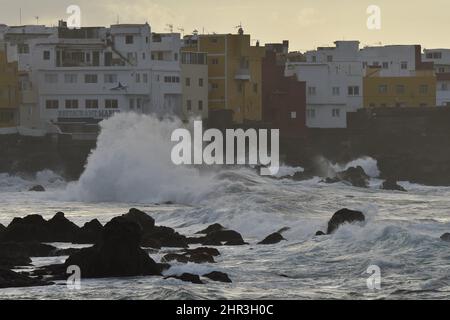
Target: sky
[[306, 23]]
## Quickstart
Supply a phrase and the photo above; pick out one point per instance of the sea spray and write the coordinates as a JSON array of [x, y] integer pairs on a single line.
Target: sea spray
[[132, 163]]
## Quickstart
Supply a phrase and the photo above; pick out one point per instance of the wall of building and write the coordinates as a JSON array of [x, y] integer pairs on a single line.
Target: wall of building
[[9, 92], [194, 71]]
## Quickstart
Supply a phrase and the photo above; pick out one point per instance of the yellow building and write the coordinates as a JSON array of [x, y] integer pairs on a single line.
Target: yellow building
[[234, 74], [417, 90], [9, 92]]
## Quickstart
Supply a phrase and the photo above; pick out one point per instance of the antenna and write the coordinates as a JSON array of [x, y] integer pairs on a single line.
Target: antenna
[[240, 29], [20, 16], [37, 19], [181, 29], [170, 27]]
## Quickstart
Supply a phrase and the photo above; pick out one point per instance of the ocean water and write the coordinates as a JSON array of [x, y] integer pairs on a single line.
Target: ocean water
[[131, 168]]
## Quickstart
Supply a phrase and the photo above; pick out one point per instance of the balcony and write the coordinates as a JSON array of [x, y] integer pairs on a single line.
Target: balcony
[[243, 74]]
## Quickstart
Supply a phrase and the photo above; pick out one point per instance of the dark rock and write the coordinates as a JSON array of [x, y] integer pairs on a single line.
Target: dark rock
[[195, 257], [391, 184], [168, 203], [28, 229], [210, 251], [26, 249], [201, 258], [146, 222], [37, 188], [212, 228], [344, 216], [356, 176], [118, 254], [11, 279], [230, 237], [61, 229], [446, 237], [64, 252], [273, 239], [331, 180], [187, 277], [2, 231], [164, 237], [320, 233], [283, 230], [90, 233], [302, 176], [218, 276], [175, 257]]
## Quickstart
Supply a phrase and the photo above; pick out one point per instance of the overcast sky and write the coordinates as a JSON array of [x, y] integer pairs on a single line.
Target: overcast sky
[[306, 23]]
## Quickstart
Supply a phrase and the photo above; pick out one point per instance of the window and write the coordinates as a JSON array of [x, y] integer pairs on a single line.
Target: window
[[111, 104], [51, 78], [46, 55], [444, 86], [215, 86], [336, 113], [404, 65], [175, 56], [293, 115], [71, 104], [353, 91], [336, 91], [188, 82], [215, 61], [90, 78], [23, 48], [138, 103], [385, 65], [189, 105], [329, 58], [138, 78], [311, 113], [52, 104], [312, 91], [172, 79], [70, 78], [110, 78], [145, 77], [441, 70], [91, 104], [314, 59], [129, 39], [423, 89], [400, 89], [200, 82], [200, 105], [382, 88], [131, 104]]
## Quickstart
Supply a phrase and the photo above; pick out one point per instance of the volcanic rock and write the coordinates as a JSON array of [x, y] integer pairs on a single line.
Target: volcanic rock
[[187, 277], [218, 276], [37, 188], [11, 279], [344, 216], [446, 237], [273, 239], [90, 233], [391, 184]]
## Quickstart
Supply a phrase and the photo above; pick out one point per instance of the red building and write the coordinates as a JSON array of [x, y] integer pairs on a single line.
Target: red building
[[283, 98]]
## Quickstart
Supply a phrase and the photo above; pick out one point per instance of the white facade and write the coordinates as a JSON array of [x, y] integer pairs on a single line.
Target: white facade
[[85, 75], [441, 59], [334, 78]]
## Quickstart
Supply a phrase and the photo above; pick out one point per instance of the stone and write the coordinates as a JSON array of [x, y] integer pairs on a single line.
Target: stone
[[218, 276], [344, 216], [272, 239], [37, 188]]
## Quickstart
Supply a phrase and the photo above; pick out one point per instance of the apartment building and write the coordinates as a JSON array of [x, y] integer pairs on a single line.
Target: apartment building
[[194, 73], [396, 76], [73, 78], [441, 60], [234, 73], [9, 94], [333, 77]]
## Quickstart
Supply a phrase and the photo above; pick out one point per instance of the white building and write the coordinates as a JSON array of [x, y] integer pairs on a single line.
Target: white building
[[334, 78], [73, 78], [441, 60]]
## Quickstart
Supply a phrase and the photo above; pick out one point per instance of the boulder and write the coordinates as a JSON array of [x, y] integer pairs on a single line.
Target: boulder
[[356, 176], [37, 188], [203, 250], [218, 276], [193, 257], [187, 277], [175, 257], [344, 216], [90, 233], [61, 229], [2, 231], [212, 228], [272, 239], [391, 184], [28, 229], [445, 237], [26, 249], [230, 237], [11, 279], [320, 233], [117, 254], [160, 236], [146, 222]]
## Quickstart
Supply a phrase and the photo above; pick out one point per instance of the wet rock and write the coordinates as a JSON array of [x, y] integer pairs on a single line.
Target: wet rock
[[160, 236], [28, 229], [391, 184], [356, 176], [61, 229], [283, 230], [37, 188], [302, 176], [2, 231], [146, 222], [11, 279], [446, 237], [212, 228], [118, 253], [175, 257], [90, 233], [344, 216], [26, 249], [187, 277], [230, 237], [320, 233], [203, 250], [273, 239], [14, 262], [218, 276], [194, 257]]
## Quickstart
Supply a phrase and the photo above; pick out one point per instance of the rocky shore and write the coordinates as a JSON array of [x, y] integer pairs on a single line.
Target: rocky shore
[[122, 247]]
